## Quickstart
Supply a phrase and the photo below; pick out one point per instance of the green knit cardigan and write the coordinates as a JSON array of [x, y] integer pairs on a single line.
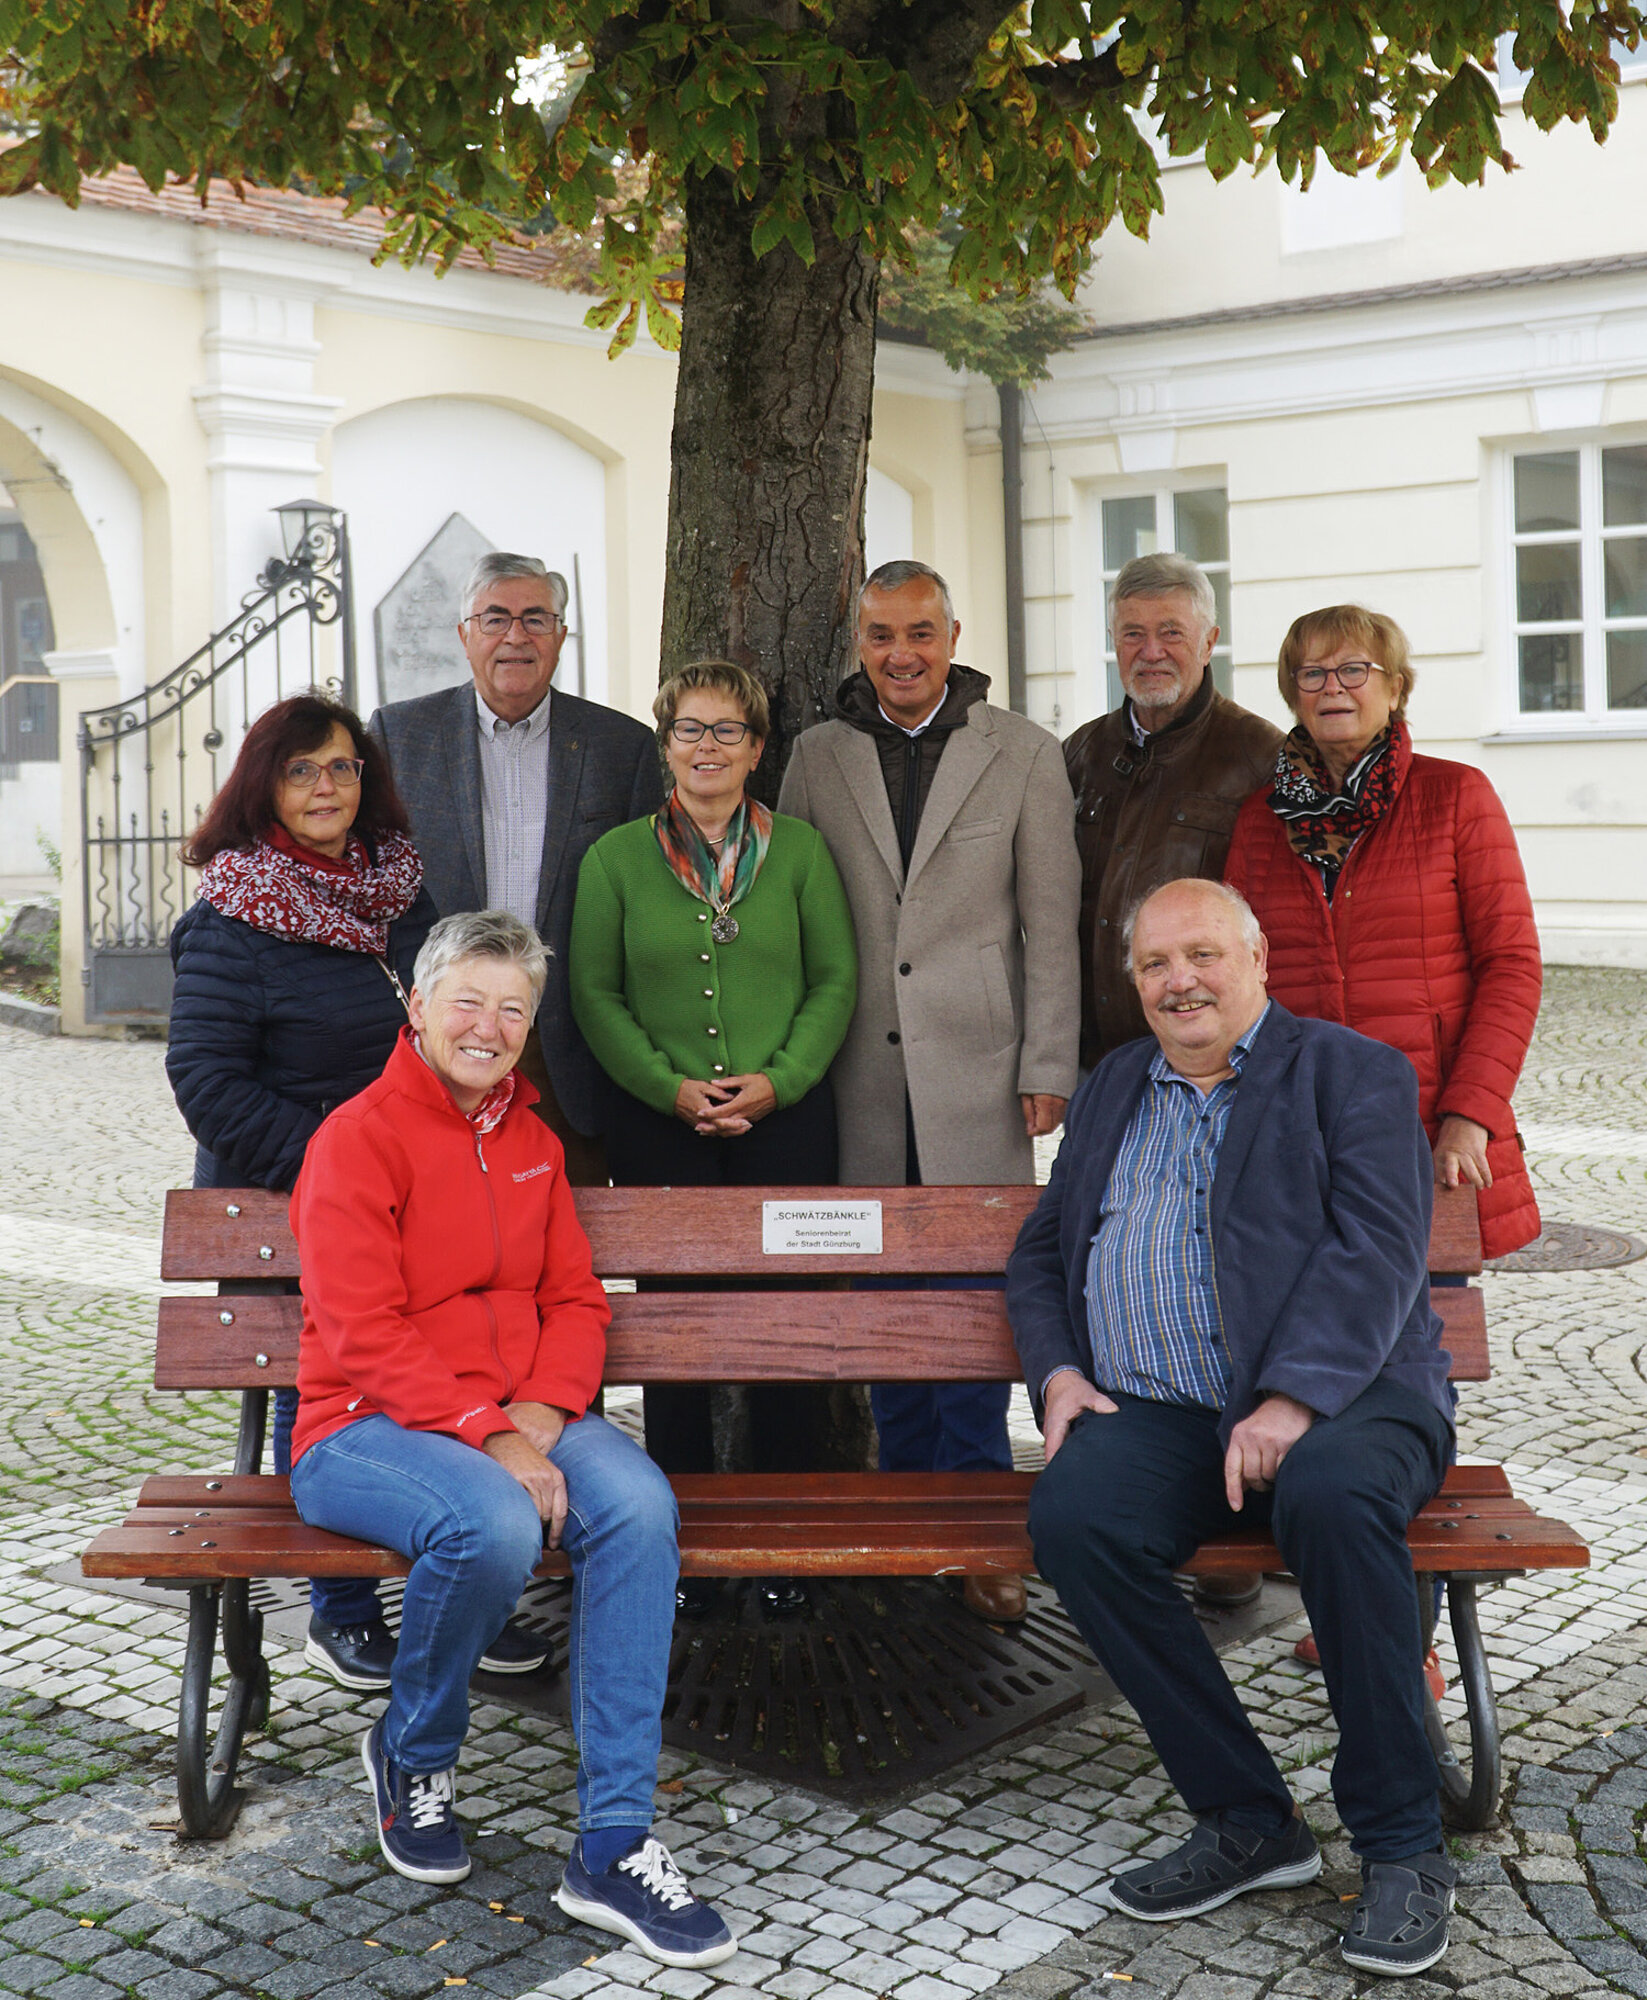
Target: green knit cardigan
[[658, 1000]]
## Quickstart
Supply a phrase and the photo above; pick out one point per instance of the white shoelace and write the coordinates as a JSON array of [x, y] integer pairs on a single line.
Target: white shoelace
[[430, 1795], [654, 1868]]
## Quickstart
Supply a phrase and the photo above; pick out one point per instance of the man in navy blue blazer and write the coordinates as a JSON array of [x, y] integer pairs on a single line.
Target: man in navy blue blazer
[[1222, 1308]]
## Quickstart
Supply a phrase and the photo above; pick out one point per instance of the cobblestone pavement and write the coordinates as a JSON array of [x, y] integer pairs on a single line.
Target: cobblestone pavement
[[984, 1885]]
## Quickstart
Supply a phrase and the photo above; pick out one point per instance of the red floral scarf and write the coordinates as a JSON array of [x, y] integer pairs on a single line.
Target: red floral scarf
[[291, 891], [1323, 821]]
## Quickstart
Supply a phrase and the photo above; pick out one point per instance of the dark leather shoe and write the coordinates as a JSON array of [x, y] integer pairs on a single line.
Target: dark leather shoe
[[696, 1596], [783, 1597], [1002, 1600], [1223, 1593], [516, 1650], [356, 1656]]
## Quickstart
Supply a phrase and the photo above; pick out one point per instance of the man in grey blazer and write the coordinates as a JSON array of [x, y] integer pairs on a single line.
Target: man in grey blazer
[[508, 785], [953, 826]]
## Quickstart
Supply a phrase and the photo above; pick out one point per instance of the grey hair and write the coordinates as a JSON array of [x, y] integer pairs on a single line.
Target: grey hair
[[1155, 576], [894, 575], [481, 934], [1250, 931], [497, 565]]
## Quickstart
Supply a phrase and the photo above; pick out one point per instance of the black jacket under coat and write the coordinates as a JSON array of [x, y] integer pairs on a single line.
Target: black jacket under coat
[[268, 1034]]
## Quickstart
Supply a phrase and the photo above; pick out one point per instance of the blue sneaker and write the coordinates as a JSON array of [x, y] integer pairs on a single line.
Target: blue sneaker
[[415, 1825], [643, 1897]]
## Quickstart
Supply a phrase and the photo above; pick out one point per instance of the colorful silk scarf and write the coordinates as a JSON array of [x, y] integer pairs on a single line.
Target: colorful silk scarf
[[290, 891], [723, 883], [1323, 822]]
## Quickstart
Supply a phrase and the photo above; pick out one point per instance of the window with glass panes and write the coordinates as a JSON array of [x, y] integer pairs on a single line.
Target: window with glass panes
[[1195, 523], [1580, 545]]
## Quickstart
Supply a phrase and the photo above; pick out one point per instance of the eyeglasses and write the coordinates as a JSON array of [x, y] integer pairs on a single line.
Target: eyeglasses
[[1352, 674], [535, 624], [687, 729], [304, 775]]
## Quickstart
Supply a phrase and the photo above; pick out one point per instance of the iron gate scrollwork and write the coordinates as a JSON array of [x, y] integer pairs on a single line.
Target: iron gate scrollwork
[[149, 766]]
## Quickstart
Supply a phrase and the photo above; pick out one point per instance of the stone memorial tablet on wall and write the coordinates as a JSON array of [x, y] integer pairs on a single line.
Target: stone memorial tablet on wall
[[415, 623]]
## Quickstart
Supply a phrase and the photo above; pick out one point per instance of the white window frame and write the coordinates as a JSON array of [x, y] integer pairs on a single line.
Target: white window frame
[[1163, 491], [1632, 65], [1595, 717]]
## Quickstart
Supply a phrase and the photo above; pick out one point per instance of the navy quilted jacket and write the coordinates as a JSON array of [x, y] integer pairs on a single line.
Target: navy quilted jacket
[[268, 1034]]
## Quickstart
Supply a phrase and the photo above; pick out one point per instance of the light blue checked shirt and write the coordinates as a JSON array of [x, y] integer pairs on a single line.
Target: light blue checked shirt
[[1152, 1295], [514, 806]]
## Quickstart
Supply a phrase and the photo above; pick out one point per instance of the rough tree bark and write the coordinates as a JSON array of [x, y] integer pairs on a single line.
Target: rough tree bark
[[772, 402], [768, 459]]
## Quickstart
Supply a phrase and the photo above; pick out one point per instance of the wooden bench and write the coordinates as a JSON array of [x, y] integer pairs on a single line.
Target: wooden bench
[[213, 1535]]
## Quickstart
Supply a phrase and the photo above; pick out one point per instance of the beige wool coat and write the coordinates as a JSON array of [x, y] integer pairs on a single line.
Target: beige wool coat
[[969, 982]]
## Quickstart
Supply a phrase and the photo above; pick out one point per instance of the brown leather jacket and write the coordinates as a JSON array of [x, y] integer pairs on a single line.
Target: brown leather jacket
[[1147, 814]]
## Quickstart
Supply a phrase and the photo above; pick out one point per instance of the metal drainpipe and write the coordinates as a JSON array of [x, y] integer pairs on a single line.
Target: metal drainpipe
[[1012, 509]]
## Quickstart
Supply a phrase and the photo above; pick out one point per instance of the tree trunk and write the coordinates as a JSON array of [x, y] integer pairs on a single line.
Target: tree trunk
[[769, 456]]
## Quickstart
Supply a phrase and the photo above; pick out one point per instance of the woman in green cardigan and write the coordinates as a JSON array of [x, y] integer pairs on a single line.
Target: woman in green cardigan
[[713, 973]]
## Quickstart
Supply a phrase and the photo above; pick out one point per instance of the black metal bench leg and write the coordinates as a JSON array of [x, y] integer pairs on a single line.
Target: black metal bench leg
[[1469, 1796], [206, 1761]]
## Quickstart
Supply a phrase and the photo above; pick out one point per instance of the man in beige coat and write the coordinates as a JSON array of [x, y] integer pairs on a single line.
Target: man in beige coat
[[953, 826]]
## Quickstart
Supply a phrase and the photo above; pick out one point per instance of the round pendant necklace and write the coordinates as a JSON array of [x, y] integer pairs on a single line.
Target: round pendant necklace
[[725, 927]]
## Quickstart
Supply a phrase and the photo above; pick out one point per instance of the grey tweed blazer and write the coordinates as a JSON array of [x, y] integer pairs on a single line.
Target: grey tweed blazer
[[603, 770]]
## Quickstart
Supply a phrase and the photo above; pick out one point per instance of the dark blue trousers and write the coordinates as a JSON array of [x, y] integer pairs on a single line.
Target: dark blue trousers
[[1127, 1500], [938, 1426]]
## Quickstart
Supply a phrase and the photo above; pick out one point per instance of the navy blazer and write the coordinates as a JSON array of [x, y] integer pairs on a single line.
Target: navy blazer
[[268, 1034], [1320, 1223], [604, 770]]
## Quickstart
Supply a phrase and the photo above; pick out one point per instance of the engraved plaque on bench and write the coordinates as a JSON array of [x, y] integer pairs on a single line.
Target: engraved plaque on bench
[[820, 1228]]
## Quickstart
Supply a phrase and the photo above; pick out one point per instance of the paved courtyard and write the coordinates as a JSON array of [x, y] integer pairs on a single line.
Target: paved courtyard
[[984, 1885]]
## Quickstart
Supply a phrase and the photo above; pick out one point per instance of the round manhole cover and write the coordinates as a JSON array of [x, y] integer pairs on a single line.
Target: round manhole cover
[[1573, 1246]]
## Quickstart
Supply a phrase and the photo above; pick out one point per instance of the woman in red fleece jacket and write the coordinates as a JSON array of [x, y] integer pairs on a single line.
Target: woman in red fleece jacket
[[453, 1336], [1393, 898]]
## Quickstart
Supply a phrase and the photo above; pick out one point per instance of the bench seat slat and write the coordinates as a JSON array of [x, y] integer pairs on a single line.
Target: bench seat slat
[[858, 1524]]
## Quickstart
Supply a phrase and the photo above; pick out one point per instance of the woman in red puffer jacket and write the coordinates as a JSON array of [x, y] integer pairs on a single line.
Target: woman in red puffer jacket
[[1393, 898]]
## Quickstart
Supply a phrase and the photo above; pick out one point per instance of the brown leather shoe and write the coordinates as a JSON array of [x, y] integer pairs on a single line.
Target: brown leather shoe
[[1002, 1600]]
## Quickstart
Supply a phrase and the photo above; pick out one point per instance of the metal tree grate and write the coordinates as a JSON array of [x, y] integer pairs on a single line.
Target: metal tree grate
[[883, 1683]]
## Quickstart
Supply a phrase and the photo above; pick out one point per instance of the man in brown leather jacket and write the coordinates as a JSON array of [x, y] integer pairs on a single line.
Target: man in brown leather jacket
[[1158, 781]]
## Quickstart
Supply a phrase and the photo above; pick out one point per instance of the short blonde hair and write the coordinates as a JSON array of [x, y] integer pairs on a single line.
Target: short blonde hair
[[716, 677], [481, 934], [1338, 625]]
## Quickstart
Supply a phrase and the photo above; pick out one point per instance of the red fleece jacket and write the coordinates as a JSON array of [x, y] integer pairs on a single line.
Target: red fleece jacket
[[444, 1275]]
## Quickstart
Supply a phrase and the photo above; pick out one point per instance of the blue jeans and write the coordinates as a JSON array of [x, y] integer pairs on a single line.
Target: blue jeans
[[474, 1539], [940, 1426], [1128, 1498], [338, 1601]]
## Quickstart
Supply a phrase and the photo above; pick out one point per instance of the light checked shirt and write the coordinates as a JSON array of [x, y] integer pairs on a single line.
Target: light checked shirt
[[514, 806], [1152, 1293]]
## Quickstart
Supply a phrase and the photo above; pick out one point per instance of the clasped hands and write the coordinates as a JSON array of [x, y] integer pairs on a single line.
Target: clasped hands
[[726, 1108], [1256, 1448], [524, 1455]]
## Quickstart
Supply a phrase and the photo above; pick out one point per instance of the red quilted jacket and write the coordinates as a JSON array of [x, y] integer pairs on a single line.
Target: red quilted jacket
[[1428, 945]]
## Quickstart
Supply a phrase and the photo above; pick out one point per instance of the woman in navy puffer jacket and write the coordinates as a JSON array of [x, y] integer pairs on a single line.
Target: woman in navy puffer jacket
[[290, 975]]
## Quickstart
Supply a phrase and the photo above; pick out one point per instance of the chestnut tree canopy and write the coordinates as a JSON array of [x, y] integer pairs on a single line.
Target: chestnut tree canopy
[[801, 141]]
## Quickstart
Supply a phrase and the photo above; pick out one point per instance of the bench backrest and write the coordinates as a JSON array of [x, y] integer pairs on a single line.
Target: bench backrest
[[810, 1327]]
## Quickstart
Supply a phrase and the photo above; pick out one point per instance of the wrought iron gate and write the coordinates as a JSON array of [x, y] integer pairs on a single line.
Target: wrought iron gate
[[149, 766]]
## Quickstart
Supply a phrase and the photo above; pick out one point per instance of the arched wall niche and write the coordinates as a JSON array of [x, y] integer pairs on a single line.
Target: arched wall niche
[[513, 478]]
